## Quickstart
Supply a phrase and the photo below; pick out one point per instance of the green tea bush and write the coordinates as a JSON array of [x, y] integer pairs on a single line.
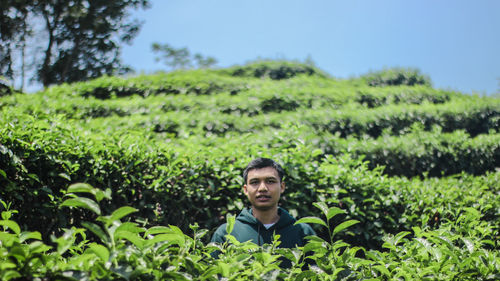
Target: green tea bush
[[124, 249], [275, 70], [397, 95], [431, 154], [5, 89], [405, 178], [204, 82], [395, 77]]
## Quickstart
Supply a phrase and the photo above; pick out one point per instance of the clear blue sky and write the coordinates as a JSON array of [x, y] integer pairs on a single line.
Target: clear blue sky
[[455, 42]]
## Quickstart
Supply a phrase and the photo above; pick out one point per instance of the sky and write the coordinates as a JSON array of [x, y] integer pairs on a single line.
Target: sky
[[455, 42]]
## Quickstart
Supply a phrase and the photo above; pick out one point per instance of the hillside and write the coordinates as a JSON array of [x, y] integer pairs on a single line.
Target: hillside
[[389, 150]]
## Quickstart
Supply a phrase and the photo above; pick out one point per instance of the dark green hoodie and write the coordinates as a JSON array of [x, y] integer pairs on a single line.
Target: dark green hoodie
[[248, 228]]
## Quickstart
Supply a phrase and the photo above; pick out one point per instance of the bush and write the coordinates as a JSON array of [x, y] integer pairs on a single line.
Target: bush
[[396, 77], [275, 70]]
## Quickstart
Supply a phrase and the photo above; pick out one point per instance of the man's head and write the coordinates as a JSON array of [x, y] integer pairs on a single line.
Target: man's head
[[260, 163], [263, 183]]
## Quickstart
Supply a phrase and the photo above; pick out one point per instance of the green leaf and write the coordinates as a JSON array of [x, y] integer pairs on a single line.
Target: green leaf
[[322, 206], [157, 230], [469, 245], [30, 235], [11, 274], [223, 268], [122, 212], [344, 225], [101, 251], [38, 247], [8, 238], [81, 187], [99, 195], [11, 225], [382, 269], [65, 241], [97, 231], [400, 236], [170, 237], [315, 220], [231, 219], [333, 211], [316, 152], [131, 237], [81, 202], [130, 227], [65, 176]]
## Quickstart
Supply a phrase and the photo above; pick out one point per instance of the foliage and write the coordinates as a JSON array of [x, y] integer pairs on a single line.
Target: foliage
[[5, 89], [83, 36], [13, 29], [396, 76], [126, 250], [181, 58], [147, 157], [275, 70]]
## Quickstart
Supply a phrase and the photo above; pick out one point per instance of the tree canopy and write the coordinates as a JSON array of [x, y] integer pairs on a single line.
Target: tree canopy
[[81, 39], [181, 58]]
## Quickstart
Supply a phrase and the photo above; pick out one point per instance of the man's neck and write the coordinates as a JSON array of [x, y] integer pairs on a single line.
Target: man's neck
[[267, 216]]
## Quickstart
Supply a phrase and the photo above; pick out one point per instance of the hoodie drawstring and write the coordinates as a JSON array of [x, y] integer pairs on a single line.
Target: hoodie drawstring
[[258, 234]]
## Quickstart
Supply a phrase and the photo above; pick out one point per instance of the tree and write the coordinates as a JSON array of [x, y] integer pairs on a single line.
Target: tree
[[13, 31], [83, 37], [181, 58]]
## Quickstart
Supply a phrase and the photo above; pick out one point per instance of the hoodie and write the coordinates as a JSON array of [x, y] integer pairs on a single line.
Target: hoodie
[[248, 228]]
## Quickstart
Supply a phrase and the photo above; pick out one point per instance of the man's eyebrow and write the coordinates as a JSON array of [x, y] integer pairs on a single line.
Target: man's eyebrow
[[257, 178]]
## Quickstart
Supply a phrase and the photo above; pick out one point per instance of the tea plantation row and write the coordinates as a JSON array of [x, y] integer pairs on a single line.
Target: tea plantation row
[[413, 171], [170, 184], [464, 249]]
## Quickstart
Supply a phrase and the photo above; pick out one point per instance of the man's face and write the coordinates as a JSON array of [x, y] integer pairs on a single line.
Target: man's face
[[263, 188]]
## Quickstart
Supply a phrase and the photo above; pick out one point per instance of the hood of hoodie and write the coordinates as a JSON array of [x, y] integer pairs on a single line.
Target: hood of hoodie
[[285, 220]]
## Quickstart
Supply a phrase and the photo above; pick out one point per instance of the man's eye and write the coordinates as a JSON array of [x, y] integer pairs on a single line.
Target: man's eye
[[254, 182], [271, 181]]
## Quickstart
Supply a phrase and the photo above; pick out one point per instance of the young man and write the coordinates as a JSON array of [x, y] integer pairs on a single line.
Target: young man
[[263, 188]]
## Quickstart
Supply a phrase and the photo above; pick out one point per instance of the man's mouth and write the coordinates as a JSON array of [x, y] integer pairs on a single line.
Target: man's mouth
[[263, 197]]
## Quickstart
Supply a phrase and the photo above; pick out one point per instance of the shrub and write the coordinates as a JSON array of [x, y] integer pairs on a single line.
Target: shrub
[[275, 70], [395, 77]]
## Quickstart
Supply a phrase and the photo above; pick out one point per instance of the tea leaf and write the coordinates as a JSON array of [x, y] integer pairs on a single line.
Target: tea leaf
[[344, 225], [230, 220], [122, 212], [132, 237], [469, 245], [315, 220], [81, 187], [11, 225], [322, 206], [94, 228], [29, 235], [101, 251], [158, 229], [81, 202], [171, 237], [333, 211]]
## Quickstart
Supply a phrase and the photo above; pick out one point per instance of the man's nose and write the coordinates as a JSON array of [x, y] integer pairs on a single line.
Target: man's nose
[[262, 186]]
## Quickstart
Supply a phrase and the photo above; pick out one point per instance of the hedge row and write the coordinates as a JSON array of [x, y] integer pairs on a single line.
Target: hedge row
[[464, 249], [419, 153], [38, 160], [200, 82], [396, 76], [479, 117], [275, 70]]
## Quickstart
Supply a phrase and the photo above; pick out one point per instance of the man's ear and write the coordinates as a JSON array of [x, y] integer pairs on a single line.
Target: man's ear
[[282, 188], [245, 189]]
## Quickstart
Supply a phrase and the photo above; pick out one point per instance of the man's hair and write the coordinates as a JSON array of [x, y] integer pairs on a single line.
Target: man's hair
[[260, 163]]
